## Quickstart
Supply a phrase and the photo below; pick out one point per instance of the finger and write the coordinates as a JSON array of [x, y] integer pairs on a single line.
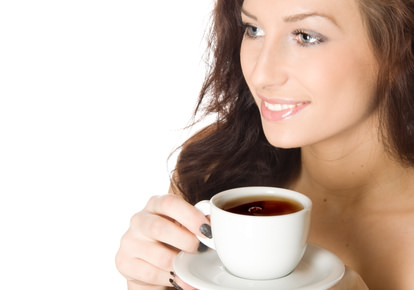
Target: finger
[[156, 254], [136, 269], [178, 209], [136, 285], [141, 272], [158, 228], [153, 252], [181, 284]]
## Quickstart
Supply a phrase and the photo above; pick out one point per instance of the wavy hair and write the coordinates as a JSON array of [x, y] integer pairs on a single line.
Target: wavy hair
[[390, 26], [233, 151]]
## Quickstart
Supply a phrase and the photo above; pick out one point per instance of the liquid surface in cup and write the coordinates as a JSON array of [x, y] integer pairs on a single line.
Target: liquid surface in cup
[[262, 206]]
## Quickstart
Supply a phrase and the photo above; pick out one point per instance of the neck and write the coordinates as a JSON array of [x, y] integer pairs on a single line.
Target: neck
[[355, 171]]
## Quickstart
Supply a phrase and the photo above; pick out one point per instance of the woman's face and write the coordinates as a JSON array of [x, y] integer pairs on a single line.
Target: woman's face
[[310, 68]]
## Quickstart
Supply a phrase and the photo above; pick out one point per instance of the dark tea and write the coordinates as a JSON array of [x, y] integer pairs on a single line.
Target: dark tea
[[262, 206]]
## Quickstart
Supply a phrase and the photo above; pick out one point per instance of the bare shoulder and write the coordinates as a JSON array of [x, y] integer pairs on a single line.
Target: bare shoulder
[[403, 247], [394, 247]]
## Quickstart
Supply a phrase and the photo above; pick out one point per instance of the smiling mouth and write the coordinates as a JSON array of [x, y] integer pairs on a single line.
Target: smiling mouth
[[282, 107]]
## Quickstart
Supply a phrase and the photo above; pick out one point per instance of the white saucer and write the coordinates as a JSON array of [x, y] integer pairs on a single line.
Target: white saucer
[[319, 269]]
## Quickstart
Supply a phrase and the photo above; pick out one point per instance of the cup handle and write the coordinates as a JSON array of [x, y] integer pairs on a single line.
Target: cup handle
[[204, 207]]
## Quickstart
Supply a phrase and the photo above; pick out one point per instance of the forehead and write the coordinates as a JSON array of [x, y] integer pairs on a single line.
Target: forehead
[[343, 12]]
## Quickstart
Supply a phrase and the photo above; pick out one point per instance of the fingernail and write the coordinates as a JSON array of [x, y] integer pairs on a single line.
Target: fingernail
[[172, 273], [202, 248], [176, 286], [205, 229]]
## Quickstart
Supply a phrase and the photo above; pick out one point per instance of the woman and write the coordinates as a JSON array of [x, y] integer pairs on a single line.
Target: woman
[[315, 96]]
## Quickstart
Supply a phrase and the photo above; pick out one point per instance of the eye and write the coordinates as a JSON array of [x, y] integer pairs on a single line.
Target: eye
[[252, 31], [306, 38]]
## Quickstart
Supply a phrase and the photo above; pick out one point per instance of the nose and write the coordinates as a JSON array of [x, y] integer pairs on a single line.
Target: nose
[[270, 68]]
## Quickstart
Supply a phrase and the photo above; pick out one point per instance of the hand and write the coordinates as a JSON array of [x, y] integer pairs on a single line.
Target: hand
[[350, 280], [167, 225]]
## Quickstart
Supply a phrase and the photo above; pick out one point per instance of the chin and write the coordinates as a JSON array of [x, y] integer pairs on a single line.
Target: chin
[[284, 142], [282, 137]]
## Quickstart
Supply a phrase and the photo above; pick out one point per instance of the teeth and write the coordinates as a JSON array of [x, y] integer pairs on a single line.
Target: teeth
[[281, 107]]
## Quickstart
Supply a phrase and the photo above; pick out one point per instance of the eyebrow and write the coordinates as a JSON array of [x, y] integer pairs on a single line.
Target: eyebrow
[[296, 17], [301, 16], [248, 14]]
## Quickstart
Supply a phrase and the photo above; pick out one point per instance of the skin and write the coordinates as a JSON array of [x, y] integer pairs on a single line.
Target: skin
[[166, 226], [363, 199], [336, 77]]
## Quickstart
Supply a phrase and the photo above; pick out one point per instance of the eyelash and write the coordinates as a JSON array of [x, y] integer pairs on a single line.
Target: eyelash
[[246, 27], [298, 35]]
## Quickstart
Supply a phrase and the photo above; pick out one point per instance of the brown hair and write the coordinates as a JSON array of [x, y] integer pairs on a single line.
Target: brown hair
[[234, 152], [390, 26]]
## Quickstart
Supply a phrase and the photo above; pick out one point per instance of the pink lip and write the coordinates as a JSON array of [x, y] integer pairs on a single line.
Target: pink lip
[[277, 116], [280, 101]]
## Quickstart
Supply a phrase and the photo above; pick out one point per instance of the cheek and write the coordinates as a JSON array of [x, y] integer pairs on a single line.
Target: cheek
[[324, 74], [346, 75], [249, 55], [246, 62]]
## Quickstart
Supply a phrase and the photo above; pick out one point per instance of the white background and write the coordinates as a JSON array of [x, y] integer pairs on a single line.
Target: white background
[[93, 97]]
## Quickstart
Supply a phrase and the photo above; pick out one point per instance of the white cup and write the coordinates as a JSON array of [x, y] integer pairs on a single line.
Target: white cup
[[258, 247]]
